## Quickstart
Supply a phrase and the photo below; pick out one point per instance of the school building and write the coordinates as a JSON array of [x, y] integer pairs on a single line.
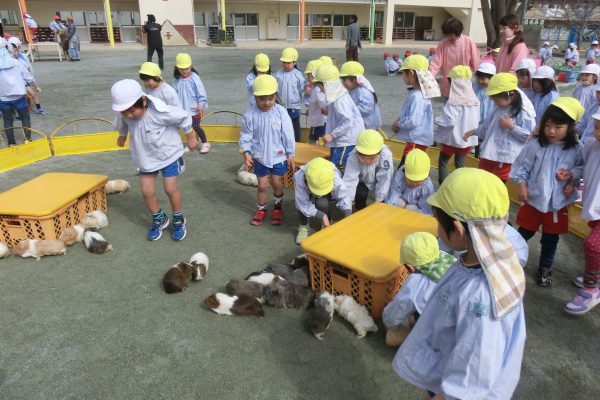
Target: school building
[[193, 21]]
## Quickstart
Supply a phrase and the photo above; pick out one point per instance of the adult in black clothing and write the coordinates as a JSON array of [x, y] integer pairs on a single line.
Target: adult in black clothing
[[154, 40]]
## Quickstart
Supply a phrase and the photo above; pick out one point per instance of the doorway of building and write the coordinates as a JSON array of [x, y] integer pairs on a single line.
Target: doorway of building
[[422, 24]]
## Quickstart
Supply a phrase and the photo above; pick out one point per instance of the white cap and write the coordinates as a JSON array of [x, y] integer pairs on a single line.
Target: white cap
[[487, 68], [543, 72], [125, 93], [591, 69], [596, 116], [527, 63], [15, 40], [546, 43], [594, 42], [555, 47], [573, 45]]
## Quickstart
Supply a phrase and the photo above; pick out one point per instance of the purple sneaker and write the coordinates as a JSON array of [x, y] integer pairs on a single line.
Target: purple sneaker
[[583, 302]]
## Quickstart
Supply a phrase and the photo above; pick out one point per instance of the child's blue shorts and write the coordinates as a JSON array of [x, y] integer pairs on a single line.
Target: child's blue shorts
[[278, 169], [339, 156], [316, 132], [171, 170]]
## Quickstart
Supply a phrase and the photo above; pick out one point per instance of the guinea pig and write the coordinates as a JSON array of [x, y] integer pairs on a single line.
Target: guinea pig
[[264, 278], [72, 235], [177, 277], [95, 219], [116, 186], [4, 252], [39, 248], [241, 305], [321, 314], [281, 293], [246, 178], [95, 242], [236, 287], [200, 262]]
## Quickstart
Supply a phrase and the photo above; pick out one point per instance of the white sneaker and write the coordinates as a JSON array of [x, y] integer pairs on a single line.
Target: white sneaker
[[204, 148], [302, 233]]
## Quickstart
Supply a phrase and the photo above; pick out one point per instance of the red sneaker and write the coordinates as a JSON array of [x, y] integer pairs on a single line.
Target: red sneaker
[[259, 217], [277, 217]]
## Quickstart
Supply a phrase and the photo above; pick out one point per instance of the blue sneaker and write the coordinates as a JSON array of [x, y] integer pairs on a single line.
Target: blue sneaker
[[179, 230], [155, 232], [41, 111]]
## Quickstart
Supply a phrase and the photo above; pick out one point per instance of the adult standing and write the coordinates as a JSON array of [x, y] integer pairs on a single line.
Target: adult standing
[[60, 34], [513, 48], [352, 39], [153, 39], [454, 49], [73, 40]]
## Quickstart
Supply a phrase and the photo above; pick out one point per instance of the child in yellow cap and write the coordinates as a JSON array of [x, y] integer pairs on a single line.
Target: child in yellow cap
[[412, 186], [151, 75], [317, 183], [191, 92], [460, 115], [421, 255], [469, 340], [316, 105], [262, 65], [268, 146], [370, 167], [542, 171], [291, 87], [363, 96]]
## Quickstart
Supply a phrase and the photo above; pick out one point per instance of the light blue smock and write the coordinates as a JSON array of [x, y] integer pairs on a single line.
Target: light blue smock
[[411, 298], [586, 95], [167, 94], [457, 349], [541, 101], [291, 88], [267, 135], [303, 196], [344, 122], [486, 104], [412, 196], [13, 79], [591, 178], [369, 110], [537, 167], [191, 93], [585, 127], [249, 81], [416, 119], [391, 65]]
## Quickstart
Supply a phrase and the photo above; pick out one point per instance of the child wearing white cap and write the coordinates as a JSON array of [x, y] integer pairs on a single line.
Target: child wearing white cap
[[545, 52], [585, 92], [155, 146], [525, 70], [592, 53], [585, 128], [484, 73], [572, 55], [542, 83]]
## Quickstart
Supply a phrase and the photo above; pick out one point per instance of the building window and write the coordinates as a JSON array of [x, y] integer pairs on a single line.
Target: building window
[[129, 18], [404, 20], [378, 19], [9, 17], [247, 19], [78, 17], [199, 19], [320, 19]]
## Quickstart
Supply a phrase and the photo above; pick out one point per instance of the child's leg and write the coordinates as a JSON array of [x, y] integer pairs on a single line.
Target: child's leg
[[549, 244], [360, 198], [277, 185], [323, 204], [172, 191], [443, 167], [261, 199], [459, 160], [198, 129], [147, 187], [591, 247], [25, 121], [525, 233]]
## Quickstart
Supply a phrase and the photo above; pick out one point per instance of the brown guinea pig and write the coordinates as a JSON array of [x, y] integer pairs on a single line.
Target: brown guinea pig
[[177, 277]]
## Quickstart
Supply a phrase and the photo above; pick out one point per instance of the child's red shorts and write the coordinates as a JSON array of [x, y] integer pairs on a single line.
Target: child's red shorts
[[448, 150], [501, 170], [530, 218], [409, 146]]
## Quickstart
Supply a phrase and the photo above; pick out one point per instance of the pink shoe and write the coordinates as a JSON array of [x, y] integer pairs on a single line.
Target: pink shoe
[[585, 300]]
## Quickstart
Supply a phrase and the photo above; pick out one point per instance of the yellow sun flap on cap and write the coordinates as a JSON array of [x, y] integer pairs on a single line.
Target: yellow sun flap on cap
[[183, 60], [326, 60], [261, 62], [417, 165], [289, 54], [312, 66], [502, 82], [460, 71], [416, 62], [326, 73], [352, 68], [472, 193], [264, 85], [419, 248], [571, 106], [369, 142], [319, 176], [150, 69]]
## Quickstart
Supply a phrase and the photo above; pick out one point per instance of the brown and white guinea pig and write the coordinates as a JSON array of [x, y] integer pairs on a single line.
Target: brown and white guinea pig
[[116, 186], [200, 262], [241, 305], [95, 219], [95, 242], [4, 252], [72, 235], [39, 248], [177, 277], [236, 287]]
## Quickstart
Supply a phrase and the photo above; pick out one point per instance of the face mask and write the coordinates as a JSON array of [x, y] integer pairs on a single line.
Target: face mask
[[586, 83]]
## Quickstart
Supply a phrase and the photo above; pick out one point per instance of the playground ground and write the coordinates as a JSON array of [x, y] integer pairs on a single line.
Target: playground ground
[[84, 326]]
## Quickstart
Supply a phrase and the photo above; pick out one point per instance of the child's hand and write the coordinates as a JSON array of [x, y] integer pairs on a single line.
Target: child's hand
[[569, 189], [324, 110], [121, 141], [248, 160], [38, 88], [506, 122], [200, 108], [326, 222], [307, 90], [192, 142], [468, 134], [395, 127], [291, 163], [327, 138], [564, 174], [523, 192]]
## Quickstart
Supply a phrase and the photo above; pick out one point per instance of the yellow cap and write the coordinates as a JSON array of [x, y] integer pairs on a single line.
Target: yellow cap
[[150, 69], [417, 165], [369, 142], [264, 85], [416, 62], [571, 106], [460, 71], [289, 54], [351, 68], [496, 50], [319, 176], [419, 248], [326, 60], [326, 73], [500, 83], [261, 62], [312, 66], [183, 60], [471, 193]]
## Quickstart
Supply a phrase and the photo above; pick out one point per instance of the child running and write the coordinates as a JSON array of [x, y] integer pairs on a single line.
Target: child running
[[525, 70], [460, 115], [262, 65], [365, 99], [508, 127], [151, 75], [315, 103], [412, 186], [370, 167], [584, 92], [317, 184], [469, 340], [267, 143], [541, 172], [191, 92], [152, 125], [542, 83], [291, 87]]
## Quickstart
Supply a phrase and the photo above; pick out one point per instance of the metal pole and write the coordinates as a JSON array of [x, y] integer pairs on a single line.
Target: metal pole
[[372, 22], [223, 15], [301, 21], [109, 25]]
